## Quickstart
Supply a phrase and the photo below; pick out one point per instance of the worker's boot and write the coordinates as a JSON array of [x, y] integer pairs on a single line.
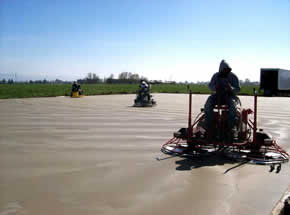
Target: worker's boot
[[210, 135], [235, 134], [229, 138], [231, 135]]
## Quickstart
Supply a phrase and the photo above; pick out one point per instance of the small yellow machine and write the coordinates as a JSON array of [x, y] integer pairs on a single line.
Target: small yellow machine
[[76, 95], [76, 91]]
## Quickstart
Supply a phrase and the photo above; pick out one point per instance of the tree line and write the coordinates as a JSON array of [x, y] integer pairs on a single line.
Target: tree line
[[123, 77]]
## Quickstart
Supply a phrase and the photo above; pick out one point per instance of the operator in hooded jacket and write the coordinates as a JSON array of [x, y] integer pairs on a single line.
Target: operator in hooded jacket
[[226, 85]]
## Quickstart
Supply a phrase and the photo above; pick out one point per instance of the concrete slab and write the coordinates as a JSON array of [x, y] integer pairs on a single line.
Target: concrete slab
[[97, 155]]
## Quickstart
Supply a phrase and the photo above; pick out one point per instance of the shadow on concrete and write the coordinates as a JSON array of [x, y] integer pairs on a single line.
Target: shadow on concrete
[[194, 162]]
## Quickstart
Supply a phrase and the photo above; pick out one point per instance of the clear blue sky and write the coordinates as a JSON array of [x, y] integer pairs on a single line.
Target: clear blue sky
[[160, 39]]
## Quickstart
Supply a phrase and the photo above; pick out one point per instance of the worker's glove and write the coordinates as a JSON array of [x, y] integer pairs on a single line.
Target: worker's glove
[[229, 87]]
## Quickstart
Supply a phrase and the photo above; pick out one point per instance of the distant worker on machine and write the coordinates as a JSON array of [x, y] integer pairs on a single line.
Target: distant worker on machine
[[143, 95], [76, 88], [144, 89], [226, 85]]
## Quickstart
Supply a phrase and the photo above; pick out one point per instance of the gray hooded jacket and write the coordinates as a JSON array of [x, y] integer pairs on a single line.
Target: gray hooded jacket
[[222, 80]]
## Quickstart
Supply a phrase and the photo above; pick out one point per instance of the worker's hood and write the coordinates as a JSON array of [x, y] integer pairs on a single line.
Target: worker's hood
[[224, 65]]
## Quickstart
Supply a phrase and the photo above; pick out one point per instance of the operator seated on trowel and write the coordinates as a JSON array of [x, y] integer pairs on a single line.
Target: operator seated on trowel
[[76, 88], [226, 86], [144, 88]]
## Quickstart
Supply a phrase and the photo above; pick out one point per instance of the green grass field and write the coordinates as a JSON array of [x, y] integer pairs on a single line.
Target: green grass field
[[51, 90]]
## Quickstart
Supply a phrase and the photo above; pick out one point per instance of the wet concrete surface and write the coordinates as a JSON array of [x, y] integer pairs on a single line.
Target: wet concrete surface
[[97, 155]]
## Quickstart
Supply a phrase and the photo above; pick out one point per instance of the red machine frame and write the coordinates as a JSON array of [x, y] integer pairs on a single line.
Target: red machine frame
[[259, 148]]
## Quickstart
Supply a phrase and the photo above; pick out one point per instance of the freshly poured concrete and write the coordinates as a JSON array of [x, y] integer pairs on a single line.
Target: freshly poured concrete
[[97, 155]]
